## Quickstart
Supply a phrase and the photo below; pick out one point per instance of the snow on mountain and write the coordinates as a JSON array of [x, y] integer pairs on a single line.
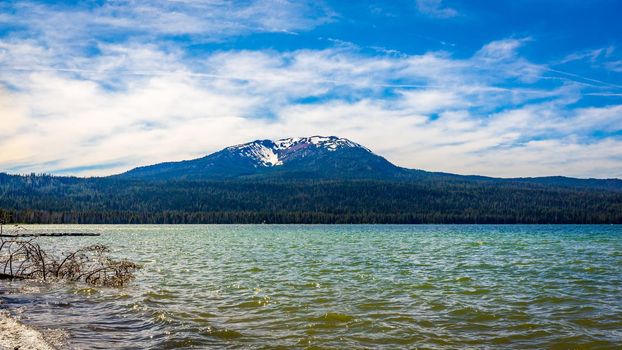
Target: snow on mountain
[[261, 151], [330, 143], [270, 153], [283, 144]]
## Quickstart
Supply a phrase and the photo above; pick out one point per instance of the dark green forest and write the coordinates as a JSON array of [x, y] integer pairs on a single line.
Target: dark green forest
[[49, 199]]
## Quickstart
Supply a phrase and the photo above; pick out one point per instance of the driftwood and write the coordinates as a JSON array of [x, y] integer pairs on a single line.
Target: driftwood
[[25, 259], [20, 232]]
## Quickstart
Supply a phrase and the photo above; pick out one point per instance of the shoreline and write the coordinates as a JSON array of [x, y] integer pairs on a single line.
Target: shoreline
[[17, 335]]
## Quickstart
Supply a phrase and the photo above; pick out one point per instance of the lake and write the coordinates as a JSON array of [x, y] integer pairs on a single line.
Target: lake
[[367, 286]]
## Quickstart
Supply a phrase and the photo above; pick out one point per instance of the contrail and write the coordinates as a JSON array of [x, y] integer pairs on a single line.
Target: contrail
[[585, 78]]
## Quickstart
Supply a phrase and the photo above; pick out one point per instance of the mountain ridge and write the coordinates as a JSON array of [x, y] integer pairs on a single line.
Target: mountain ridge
[[307, 180], [319, 157]]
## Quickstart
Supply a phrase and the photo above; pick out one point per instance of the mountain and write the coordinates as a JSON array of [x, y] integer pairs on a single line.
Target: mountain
[[320, 157], [315, 157]]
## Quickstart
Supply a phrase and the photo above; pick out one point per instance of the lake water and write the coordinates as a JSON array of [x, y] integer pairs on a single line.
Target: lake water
[[386, 287]]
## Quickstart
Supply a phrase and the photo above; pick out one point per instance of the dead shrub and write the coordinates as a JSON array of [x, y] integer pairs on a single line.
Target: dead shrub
[[25, 259]]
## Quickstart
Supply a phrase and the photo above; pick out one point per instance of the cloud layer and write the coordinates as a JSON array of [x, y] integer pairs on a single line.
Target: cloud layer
[[123, 103]]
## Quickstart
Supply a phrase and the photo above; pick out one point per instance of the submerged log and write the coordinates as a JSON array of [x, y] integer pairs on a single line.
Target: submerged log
[[6, 276], [50, 234]]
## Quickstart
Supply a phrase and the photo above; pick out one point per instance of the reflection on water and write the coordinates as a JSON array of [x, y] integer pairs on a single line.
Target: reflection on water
[[342, 287]]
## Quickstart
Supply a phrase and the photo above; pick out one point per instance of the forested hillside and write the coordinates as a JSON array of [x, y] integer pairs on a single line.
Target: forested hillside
[[48, 199]]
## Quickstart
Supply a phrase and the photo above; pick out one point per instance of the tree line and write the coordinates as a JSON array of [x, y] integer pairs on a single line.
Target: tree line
[[50, 199]]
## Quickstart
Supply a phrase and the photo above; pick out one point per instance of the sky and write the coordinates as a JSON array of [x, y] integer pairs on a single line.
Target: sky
[[501, 88]]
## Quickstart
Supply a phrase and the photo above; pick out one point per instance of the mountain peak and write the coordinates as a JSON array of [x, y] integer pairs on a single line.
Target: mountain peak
[[330, 143], [312, 157], [269, 153]]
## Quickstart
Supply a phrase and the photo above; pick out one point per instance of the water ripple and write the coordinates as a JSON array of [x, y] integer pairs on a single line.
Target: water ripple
[[316, 287]]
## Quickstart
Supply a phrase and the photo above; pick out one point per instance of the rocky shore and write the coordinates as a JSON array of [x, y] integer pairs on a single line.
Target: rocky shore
[[16, 335]]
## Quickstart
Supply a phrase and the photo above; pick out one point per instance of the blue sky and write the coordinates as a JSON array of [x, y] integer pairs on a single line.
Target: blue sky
[[501, 88]]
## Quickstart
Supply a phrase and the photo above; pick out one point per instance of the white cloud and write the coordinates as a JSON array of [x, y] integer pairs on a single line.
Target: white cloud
[[138, 104], [499, 50], [607, 119], [590, 55], [432, 100], [615, 66], [211, 20], [435, 8]]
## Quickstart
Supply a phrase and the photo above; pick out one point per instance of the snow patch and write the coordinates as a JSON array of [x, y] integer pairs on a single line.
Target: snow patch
[[286, 143], [268, 157], [267, 153], [264, 156], [330, 143]]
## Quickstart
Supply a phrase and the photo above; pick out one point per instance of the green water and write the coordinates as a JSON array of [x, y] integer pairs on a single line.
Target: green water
[[438, 287]]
